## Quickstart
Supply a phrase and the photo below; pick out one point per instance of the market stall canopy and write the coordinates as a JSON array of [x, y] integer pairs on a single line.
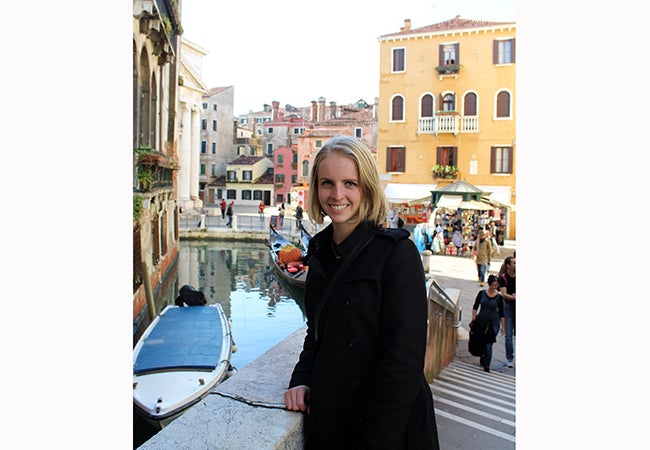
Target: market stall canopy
[[476, 205], [463, 190], [449, 201], [413, 194]]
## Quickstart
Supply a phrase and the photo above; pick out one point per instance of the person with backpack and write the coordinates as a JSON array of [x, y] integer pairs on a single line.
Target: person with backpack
[[488, 318]]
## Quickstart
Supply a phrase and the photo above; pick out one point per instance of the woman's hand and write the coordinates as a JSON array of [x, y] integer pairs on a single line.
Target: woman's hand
[[297, 399]]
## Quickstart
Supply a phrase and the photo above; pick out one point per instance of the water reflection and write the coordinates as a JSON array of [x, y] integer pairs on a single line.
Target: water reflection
[[238, 275]]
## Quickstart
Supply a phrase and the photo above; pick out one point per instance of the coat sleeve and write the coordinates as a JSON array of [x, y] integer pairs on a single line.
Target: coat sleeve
[[396, 383]]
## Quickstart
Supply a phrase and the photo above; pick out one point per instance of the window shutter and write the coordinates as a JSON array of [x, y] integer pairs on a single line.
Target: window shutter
[[453, 156], [401, 159], [441, 55], [495, 52], [438, 155], [388, 156], [457, 50], [493, 160], [427, 106], [513, 49], [510, 159]]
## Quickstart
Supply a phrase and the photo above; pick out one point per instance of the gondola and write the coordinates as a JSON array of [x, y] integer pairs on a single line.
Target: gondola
[[287, 258]]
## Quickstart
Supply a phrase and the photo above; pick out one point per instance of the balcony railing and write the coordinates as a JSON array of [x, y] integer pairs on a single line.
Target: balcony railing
[[448, 124]]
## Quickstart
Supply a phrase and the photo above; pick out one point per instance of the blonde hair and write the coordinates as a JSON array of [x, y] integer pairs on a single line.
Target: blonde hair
[[374, 207]]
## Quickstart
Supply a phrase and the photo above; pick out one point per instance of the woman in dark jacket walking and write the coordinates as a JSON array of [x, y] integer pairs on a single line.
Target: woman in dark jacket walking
[[489, 305], [360, 375]]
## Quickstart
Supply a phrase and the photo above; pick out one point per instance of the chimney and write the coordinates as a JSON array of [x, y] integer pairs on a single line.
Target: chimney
[[274, 111], [332, 110], [314, 111], [407, 25], [321, 109]]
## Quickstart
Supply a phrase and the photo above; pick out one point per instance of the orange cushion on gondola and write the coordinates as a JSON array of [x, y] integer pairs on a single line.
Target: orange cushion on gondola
[[289, 253]]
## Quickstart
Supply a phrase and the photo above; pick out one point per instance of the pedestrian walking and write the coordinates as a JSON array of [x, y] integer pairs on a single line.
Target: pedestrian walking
[[230, 213], [281, 214], [489, 305], [482, 256], [260, 210], [299, 215], [359, 378], [507, 286], [223, 208]]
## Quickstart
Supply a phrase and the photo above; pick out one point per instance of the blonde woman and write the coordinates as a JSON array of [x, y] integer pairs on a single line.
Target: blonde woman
[[359, 378]]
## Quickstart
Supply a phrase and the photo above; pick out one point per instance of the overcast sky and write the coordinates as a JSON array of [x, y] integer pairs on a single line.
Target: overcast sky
[[294, 51]]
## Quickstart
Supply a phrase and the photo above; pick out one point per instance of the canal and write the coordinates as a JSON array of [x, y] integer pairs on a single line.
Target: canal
[[239, 276]]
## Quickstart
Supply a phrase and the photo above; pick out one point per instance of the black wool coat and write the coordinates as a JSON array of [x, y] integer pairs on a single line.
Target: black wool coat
[[365, 371]]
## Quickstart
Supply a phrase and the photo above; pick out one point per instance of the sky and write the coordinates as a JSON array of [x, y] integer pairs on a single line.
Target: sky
[[293, 52]]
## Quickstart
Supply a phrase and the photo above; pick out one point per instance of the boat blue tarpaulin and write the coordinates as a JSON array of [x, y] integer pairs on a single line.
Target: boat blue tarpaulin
[[184, 338]]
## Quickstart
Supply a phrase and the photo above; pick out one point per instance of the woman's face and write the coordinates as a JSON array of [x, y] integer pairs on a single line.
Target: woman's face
[[494, 285], [339, 190]]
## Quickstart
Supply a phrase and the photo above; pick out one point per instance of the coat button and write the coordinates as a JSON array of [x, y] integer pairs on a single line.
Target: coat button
[[350, 302], [353, 343]]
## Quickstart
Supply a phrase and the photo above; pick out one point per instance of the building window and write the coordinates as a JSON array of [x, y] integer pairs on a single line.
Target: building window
[[426, 106], [231, 194], [300, 130], [214, 148], [294, 179], [214, 107], [501, 160], [279, 178], [241, 150], [305, 168], [398, 59], [269, 148], [246, 194], [244, 121], [205, 106], [231, 175], [247, 175], [447, 156], [397, 108], [318, 143], [204, 124], [214, 170], [504, 51], [278, 198], [257, 194], [270, 130], [202, 169], [449, 54], [280, 159], [395, 159], [214, 125], [449, 102], [358, 132], [204, 147], [469, 104], [503, 104], [252, 151]]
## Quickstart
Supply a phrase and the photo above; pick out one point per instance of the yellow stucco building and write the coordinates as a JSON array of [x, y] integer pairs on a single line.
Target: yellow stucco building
[[447, 108]]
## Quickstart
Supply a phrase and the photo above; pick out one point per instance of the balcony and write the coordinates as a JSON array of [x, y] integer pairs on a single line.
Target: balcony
[[448, 123], [450, 69], [153, 170]]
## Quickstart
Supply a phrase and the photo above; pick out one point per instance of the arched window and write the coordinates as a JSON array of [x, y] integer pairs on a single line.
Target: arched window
[[305, 168], [449, 102], [397, 108], [426, 106], [469, 106], [144, 100], [503, 104]]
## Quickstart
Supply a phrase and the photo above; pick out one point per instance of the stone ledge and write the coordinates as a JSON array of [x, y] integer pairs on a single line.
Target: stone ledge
[[245, 411]]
